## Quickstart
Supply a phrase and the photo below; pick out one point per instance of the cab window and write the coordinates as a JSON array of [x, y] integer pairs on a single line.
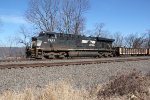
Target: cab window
[[41, 34], [51, 36]]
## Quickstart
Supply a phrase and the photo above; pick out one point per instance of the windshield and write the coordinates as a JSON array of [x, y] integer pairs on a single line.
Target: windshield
[[51, 35], [41, 34]]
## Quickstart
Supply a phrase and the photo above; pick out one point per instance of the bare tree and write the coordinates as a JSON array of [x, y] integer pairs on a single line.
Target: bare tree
[[2, 50], [138, 43], [99, 31], [81, 6], [71, 16], [118, 39], [58, 15], [147, 39], [135, 41], [129, 40], [65, 22], [8, 46], [10, 49], [43, 14], [25, 37]]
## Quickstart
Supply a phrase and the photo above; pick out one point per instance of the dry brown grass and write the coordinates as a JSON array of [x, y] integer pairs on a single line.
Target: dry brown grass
[[134, 85], [55, 91]]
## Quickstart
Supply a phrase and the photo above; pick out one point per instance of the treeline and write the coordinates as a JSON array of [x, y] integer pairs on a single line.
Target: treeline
[[12, 52], [132, 40], [128, 40]]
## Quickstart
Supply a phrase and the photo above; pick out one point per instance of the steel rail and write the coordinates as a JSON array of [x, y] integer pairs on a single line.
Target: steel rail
[[52, 64], [75, 58]]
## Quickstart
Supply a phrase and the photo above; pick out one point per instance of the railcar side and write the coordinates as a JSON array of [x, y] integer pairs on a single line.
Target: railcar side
[[121, 51], [148, 51]]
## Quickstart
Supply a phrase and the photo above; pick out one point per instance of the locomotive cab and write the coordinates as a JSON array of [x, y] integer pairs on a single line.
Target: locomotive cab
[[44, 40]]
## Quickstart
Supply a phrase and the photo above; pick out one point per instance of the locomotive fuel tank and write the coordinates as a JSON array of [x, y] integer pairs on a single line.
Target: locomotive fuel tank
[[83, 54]]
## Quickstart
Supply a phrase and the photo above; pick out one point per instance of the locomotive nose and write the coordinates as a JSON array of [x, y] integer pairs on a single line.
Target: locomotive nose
[[36, 42], [34, 38]]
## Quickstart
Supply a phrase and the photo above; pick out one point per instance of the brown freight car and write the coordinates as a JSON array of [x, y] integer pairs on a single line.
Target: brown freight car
[[148, 51], [120, 51]]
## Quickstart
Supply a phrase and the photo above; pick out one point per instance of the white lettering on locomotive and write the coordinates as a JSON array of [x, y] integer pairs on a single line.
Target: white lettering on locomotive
[[91, 42], [84, 41], [51, 40]]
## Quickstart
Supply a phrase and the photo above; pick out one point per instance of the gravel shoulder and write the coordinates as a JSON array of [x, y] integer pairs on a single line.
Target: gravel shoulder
[[79, 75]]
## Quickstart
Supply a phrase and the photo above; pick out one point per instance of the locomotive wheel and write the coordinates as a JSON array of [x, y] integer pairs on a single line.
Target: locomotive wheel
[[100, 55], [44, 58], [52, 56], [105, 55], [61, 56], [111, 55]]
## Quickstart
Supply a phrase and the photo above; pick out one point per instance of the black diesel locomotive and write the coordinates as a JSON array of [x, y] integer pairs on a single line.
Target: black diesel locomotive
[[52, 45]]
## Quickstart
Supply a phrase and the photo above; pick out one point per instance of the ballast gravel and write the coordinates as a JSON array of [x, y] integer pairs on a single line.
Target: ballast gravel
[[68, 60], [80, 76]]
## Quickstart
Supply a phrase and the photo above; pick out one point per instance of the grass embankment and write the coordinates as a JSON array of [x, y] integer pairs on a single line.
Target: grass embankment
[[132, 86], [55, 91]]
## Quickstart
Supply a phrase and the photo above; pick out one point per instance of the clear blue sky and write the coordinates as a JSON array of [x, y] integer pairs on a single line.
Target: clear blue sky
[[126, 16]]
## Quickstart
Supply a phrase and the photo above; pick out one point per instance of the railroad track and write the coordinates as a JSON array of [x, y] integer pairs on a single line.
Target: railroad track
[[21, 60], [17, 60], [52, 64]]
